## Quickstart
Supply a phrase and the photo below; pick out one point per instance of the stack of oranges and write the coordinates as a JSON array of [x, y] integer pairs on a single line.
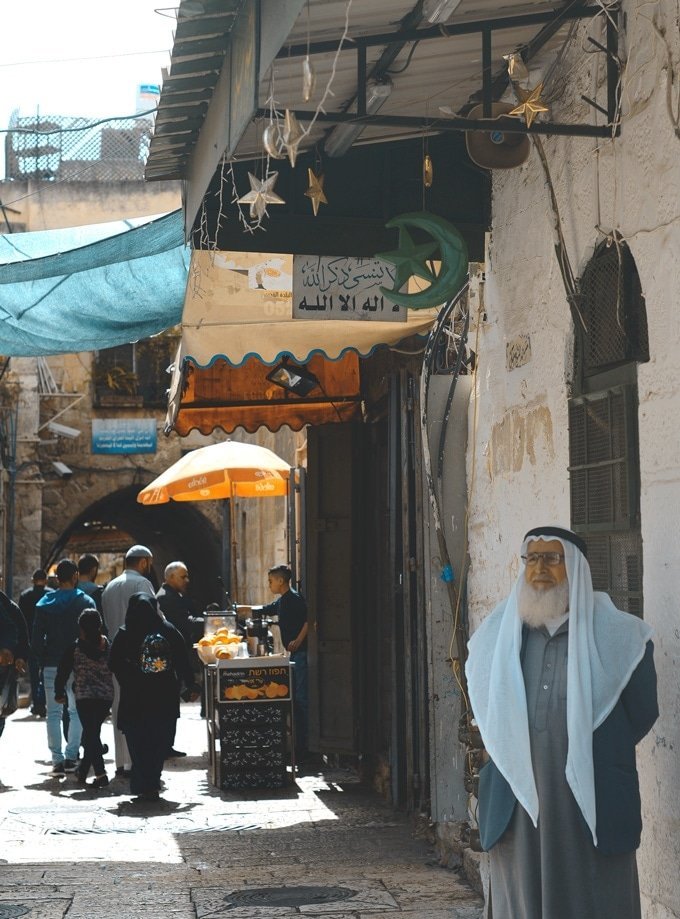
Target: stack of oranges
[[222, 645]]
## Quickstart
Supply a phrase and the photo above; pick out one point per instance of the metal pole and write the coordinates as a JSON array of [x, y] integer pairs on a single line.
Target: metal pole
[[613, 66], [226, 550], [292, 528], [487, 76], [302, 527]]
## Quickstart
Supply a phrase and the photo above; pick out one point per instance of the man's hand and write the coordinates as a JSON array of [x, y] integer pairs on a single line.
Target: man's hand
[[194, 696], [6, 657], [60, 699], [20, 665], [293, 646]]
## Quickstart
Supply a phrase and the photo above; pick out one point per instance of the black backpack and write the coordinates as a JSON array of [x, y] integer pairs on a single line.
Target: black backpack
[[155, 655]]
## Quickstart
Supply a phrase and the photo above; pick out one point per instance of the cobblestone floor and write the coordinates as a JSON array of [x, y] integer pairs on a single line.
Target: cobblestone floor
[[325, 847]]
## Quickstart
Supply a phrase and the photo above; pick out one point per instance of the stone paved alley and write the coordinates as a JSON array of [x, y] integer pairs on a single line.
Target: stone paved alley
[[70, 852]]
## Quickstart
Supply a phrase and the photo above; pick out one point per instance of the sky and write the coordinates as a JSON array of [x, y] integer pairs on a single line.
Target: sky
[[80, 57]]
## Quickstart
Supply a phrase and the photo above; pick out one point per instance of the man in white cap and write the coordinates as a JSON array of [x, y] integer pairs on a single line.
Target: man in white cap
[[134, 579], [562, 686]]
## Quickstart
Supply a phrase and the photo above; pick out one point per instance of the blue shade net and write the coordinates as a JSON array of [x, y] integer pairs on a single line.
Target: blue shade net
[[94, 287]]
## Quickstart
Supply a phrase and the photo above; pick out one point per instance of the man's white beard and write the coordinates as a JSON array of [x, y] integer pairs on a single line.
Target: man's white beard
[[536, 607]]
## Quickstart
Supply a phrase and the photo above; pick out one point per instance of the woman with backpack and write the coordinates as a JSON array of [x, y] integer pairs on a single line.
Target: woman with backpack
[[150, 661], [87, 660]]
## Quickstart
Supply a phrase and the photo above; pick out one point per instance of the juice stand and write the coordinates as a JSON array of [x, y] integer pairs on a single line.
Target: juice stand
[[248, 699], [249, 712]]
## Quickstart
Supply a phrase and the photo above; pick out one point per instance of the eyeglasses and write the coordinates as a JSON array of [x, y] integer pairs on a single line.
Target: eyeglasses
[[551, 559]]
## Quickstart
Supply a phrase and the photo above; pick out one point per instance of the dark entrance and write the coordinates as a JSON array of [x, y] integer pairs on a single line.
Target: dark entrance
[[368, 661], [173, 532]]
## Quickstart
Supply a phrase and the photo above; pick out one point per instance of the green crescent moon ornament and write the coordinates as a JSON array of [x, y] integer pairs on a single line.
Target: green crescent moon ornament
[[410, 259]]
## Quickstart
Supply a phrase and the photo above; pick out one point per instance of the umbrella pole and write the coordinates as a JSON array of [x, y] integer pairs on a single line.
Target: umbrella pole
[[233, 557], [226, 550]]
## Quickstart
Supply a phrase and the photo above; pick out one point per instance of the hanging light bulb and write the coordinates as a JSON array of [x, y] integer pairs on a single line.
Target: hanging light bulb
[[436, 11]]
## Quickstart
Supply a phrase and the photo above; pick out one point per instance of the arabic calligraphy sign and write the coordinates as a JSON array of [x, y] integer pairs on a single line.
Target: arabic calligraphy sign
[[339, 287], [123, 435]]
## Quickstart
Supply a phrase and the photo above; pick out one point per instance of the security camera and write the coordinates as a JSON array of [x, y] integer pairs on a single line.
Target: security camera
[[62, 469], [62, 430]]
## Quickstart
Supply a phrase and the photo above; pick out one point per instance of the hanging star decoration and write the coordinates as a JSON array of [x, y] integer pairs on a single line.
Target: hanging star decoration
[[315, 191], [260, 195], [291, 135], [530, 104]]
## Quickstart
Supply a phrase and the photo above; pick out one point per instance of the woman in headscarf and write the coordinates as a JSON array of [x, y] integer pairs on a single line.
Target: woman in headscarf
[[150, 661]]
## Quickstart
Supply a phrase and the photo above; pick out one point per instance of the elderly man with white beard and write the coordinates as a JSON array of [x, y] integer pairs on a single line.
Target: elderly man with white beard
[[562, 686]]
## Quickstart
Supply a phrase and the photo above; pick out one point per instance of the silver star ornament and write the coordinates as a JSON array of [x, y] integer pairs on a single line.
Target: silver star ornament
[[292, 135], [261, 194]]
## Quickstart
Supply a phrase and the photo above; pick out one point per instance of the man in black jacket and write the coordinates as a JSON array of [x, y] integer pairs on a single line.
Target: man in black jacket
[[175, 605], [13, 643], [28, 600]]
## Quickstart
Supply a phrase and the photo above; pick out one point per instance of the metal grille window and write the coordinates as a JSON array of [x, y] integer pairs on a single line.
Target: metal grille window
[[135, 374], [613, 311], [603, 428]]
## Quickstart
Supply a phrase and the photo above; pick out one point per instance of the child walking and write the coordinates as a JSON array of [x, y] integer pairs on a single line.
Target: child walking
[[88, 659]]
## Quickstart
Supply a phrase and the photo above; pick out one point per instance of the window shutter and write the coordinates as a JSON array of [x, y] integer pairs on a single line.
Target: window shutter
[[603, 428]]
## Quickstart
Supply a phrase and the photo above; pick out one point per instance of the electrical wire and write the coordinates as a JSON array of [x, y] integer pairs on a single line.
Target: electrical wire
[[408, 60], [69, 60]]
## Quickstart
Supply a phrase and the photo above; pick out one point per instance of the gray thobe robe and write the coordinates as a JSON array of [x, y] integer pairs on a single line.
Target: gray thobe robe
[[554, 871], [115, 600]]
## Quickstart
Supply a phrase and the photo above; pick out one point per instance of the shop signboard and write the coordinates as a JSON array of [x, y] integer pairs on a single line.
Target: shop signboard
[[123, 435], [254, 683], [342, 287]]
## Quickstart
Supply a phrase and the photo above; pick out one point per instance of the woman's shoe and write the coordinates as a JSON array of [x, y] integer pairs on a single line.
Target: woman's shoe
[[100, 781], [81, 776]]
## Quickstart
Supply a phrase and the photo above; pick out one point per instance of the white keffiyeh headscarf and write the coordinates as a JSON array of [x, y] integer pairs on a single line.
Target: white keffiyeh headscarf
[[605, 646]]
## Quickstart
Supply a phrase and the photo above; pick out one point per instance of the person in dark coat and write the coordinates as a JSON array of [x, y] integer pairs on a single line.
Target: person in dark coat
[[12, 614], [28, 600], [176, 607], [150, 661]]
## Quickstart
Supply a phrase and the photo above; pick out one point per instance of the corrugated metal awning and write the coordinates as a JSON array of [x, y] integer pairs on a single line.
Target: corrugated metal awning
[[425, 74]]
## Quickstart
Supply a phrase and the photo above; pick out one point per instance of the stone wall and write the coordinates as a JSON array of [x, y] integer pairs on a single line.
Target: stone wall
[[518, 420]]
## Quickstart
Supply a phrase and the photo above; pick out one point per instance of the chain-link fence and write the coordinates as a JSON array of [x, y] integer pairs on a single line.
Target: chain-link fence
[[69, 149]]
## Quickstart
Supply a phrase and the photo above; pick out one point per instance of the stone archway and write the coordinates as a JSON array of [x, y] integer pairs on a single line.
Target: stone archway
[[174, 531]]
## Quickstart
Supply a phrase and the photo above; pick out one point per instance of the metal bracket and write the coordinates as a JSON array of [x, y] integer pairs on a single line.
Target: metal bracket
[[492, 87]]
